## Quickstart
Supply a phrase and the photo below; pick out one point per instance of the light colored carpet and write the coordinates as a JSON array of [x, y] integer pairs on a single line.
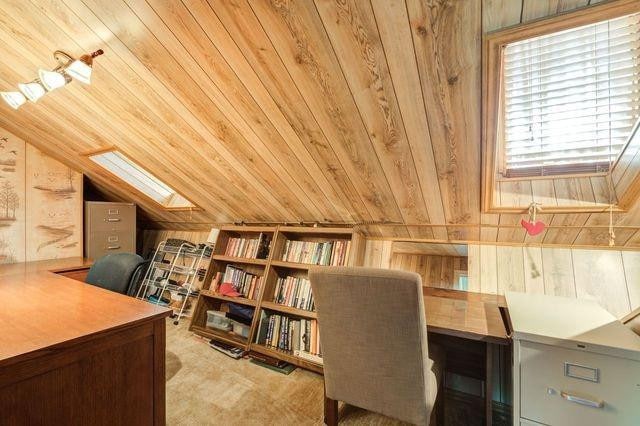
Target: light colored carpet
[[205, 387]]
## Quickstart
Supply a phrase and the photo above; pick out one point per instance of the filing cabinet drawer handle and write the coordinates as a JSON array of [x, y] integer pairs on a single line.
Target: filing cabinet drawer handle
[[112, 219], [582, 401], [113, 247]]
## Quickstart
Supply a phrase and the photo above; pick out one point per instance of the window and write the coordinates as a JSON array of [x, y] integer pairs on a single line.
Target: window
[[569, 99], [130, 172]]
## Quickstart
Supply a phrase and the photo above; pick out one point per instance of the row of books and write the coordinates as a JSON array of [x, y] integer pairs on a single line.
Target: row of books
[[245, 283], [299, 336], [328, 253], [253, 248], [294, 292]]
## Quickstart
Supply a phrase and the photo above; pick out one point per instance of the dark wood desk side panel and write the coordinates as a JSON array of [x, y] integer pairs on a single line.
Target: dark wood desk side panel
[[75, 274], [113, 379]]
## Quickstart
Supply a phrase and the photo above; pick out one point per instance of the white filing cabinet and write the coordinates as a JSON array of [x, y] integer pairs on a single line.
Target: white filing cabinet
[[573, 363]]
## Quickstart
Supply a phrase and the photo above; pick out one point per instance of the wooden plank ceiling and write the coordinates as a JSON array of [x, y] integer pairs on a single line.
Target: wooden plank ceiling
[[268, 111]]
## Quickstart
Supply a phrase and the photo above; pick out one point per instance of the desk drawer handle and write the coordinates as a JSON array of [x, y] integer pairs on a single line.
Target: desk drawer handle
[[113, 247], [582, 401], [112, 219]]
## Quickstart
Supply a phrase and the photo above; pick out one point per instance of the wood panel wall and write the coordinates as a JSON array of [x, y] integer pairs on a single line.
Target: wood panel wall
[[435, 271], [612, 277], [40, 204]]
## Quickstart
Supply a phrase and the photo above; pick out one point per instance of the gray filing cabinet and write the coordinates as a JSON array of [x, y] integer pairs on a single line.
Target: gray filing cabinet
[[574, 363], [109, 228]]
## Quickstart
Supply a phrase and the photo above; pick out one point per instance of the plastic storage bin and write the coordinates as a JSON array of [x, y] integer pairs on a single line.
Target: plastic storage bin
[[240, 329], [218, 320]]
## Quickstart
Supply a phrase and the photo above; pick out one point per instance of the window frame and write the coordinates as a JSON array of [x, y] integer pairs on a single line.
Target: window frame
[[101, 169], [492, 96]]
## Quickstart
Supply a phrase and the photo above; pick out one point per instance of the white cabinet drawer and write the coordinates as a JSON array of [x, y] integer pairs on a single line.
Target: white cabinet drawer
[[545, 376]]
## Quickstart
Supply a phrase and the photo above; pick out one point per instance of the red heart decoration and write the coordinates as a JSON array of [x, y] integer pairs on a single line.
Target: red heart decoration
[[532, 229]]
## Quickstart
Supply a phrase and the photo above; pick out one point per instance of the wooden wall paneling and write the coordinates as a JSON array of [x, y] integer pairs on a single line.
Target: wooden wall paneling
[[13, 200], [271, 135], [152, 237], [535, 9], [247, 50], [80, 93], [510, 269], [474, 266], [533, 270], [451, 91], [569, 191], [298, 36], [489, 233], [150, 99], [352, 30], [631, 263], [558, 272], [54, 202], [498, 14], [395, 33], [377, 253], [212, 106], [600, 275], [488, 269], [516, 194]]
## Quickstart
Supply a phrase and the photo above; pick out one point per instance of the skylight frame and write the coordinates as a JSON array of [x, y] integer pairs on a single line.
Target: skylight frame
[[154, 185], [493, 46]]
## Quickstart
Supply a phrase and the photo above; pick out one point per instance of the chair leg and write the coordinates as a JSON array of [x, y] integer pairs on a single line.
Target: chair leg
[[330, 411]]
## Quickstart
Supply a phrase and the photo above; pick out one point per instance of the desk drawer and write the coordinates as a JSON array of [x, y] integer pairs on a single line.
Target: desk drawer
[[558, 385]]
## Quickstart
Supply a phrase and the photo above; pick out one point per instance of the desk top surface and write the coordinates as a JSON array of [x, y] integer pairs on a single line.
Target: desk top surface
[[465, 314], [41, 309]]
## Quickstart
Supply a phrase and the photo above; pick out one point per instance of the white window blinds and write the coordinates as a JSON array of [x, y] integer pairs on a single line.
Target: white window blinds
[[571, 98]]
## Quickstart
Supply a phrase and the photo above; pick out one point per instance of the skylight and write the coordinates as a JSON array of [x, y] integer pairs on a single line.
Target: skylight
[[140, 179]]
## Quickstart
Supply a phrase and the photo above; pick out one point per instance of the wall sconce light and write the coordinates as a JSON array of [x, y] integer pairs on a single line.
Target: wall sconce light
[[68, 69]]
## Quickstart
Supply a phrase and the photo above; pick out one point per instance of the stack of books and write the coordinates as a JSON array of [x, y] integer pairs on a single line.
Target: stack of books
[[245, 283], [294, 292], [253, 248], [328, 253], [298, 336]]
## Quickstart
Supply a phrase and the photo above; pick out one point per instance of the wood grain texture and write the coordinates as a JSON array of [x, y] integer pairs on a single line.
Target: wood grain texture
[[271, 111]]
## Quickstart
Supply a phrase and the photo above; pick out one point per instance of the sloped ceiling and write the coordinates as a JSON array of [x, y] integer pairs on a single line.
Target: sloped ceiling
[[282, 110]]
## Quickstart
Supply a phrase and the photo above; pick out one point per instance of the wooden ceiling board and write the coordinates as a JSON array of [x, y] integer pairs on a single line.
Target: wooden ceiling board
[[342, 111]]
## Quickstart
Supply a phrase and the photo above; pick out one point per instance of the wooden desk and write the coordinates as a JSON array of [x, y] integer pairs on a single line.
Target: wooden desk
[[474, 316], [470, 316], [72, 353]]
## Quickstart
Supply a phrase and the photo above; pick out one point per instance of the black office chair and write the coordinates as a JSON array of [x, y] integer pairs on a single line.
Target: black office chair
[[119, 272]]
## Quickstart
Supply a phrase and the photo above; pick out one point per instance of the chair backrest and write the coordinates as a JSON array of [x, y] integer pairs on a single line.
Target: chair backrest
[[373, 338], [115, 272]]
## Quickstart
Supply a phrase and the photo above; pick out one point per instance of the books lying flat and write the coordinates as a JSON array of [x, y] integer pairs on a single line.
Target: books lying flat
[[286, 368], [227, 349], [245, 283]]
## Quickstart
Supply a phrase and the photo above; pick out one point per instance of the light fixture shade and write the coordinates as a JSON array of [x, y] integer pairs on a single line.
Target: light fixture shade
[[80, 69], [52, 80], [14, 99], [33, 91]]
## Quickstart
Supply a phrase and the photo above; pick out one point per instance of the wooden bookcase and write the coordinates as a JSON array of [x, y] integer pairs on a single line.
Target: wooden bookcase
[[271, 269]]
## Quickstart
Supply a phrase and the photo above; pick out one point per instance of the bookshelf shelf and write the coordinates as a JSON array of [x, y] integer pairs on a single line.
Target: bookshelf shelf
[[239, 300], [287, 357], [240, 260], [288, 310], [225, 336], [271, 269]]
